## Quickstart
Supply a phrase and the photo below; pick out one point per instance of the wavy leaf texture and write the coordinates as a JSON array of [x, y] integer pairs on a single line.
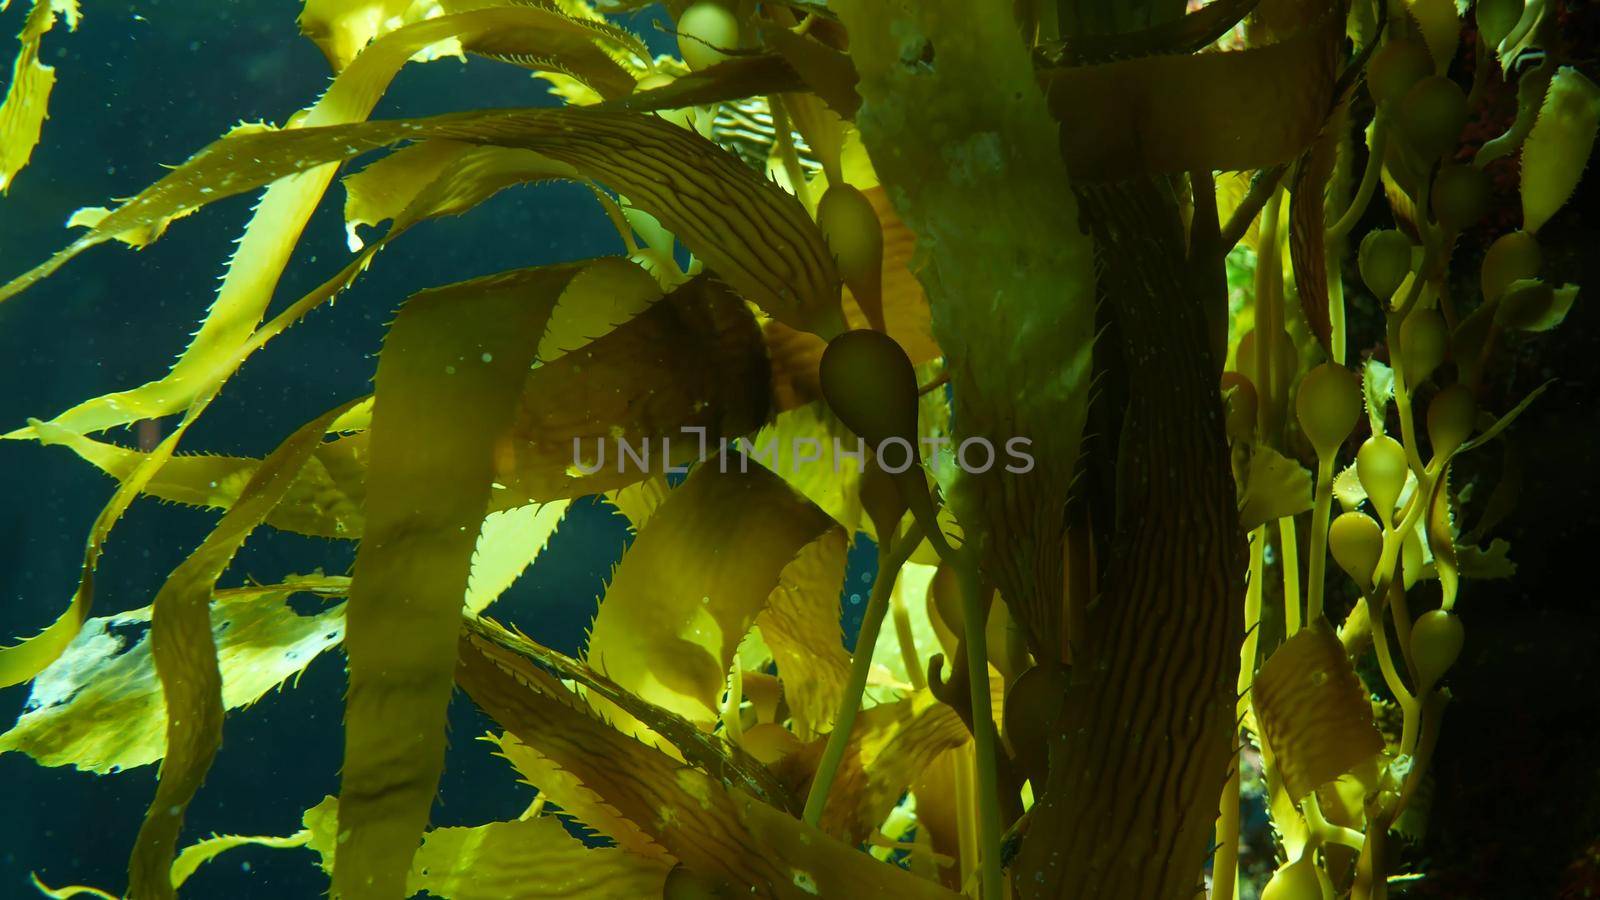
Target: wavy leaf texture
[[432, 462]]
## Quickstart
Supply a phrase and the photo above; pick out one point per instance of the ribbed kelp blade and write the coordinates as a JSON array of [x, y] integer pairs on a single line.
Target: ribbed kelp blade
[[1245, 109], [185, 654], [695, 745], [974, 167], [99, 707], [448, 377], [526, 859], [732, 79], [1308, 251], [827, 72], [801, 626], [1313, 711], [27, 100], [694, 580], [575, 799], [690, 366], [716, 831]]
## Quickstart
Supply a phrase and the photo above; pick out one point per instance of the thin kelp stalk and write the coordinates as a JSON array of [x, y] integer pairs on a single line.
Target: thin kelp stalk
[[892, 554]]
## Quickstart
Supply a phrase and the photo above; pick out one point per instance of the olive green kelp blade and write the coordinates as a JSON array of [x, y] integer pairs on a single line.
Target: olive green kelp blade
[[718, 833], [448, 377], [1314, 713], [692, 583], [185, 654], [752, 233]]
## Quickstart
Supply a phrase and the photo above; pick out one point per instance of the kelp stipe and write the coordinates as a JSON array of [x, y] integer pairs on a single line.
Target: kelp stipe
[[1109, 234]]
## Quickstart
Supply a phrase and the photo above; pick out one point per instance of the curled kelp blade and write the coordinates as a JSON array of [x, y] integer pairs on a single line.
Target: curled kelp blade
[[718, 832], [692, 583], [448, 377], [27, 99], [99, 707], [1245, 109], [184, 650], [1313, 711], [735, 78], [753, 234], [801, 626]]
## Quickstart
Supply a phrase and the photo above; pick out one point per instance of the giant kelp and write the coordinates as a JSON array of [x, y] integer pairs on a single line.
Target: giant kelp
[[927, 225]]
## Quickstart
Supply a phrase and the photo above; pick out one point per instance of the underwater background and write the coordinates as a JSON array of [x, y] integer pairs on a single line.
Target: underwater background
[[1516, 811]]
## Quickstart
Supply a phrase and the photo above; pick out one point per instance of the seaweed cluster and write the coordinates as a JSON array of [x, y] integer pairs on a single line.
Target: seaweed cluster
[[1110, 233]]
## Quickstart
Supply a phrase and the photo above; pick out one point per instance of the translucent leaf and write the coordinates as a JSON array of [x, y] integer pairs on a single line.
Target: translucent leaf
[[1558, 148], [693, 582], [527, 859], [801, 625], [451, 369], [99, 707], [1313, 711], [1275, 487], [1377, 387], [1492, 562], [27, 99], [508, 543], [186, 657]]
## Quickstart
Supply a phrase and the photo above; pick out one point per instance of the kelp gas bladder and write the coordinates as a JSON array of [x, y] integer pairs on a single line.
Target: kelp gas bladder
[[917, 222]]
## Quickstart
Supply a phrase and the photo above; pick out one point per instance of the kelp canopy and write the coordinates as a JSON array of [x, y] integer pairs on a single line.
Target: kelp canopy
[[1108, 237]]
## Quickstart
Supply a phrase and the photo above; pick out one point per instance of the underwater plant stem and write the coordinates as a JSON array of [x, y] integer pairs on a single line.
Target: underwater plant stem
[[1225, 865], [908, 641], [1289, 545], [1402, 625], [1336, 327], [784, 133], [890, 559], [1321, 515], [1376, 145], [1269, 317], [983, 736], [1402, 395], [1263, 187]]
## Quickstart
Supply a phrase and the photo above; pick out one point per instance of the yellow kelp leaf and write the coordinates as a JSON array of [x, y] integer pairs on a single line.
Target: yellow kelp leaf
[[717, 832], [279, 218], [1245, 109], [1558, 148], [973, 167], [1275, 487], [821, 458], [527, 859], [508, 543], [342, 28], [639, 501], [692, 583], [27, 100], [889, 747], [448, 376], [99, 707], [663, 387], [192, 857], [185, 654], [382, 190], [1313, 711], [575, 799], [1440, 27], [801, 625], [324, 500], [599, 299]]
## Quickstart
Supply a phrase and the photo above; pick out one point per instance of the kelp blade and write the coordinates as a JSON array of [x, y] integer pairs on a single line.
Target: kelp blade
[[185, 655], [448, 376]]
